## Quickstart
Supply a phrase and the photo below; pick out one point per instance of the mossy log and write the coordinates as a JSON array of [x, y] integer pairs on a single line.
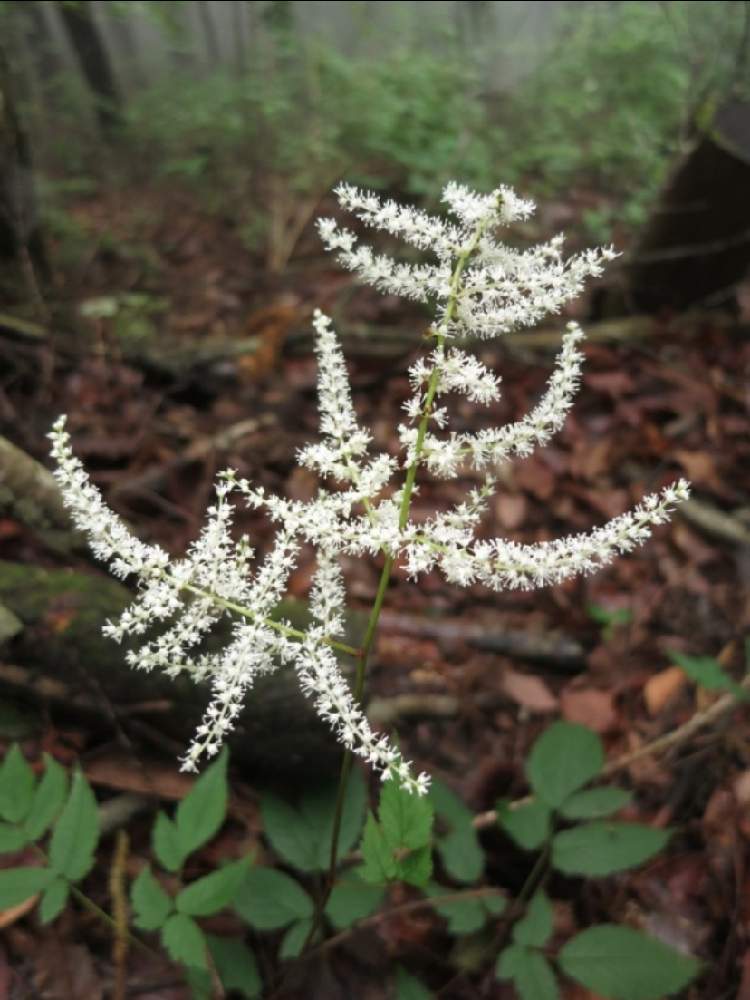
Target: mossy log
[[61, 658]]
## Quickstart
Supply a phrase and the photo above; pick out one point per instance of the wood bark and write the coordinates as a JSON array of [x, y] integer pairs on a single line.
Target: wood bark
[[92, 57], [696, 246], [21, 239]]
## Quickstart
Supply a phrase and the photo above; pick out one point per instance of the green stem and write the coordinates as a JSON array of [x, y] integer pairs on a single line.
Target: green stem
[[97, 911], [385, 576], [287, 630]]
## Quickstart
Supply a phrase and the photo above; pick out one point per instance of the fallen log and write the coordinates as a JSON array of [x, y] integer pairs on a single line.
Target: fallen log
[[60, 658]]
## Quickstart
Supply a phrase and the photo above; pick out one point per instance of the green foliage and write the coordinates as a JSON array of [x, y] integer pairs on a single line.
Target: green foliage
[[459, 848], [398, 846], [408, 987], [184, 941], [166, 843], [213, 892], [30, 808], [530, 972], [604, 847], [465, 914], [48, 799], [76, 833], [16, 786], [561, 762], [709, 674], [609, 618], [20, 884], [594, 803], [54, 899], [236, 965], [565, 758], [622, 964], [301, 833], [352, 900], [535, 928], [200, 814], [268, 899], [151, 904], [528, 824]]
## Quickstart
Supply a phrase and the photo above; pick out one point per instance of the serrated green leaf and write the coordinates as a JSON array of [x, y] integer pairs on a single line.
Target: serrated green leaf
[[447, 805], [604, 847], [201, 813], [464, 916], [535, 927], [11, 838], [16, 786], [151, 904], [76, 833], [352, 900], [236, 965], [48, 799], [609, 616], [54, 898], [564, 758], [20, 884], [184, 941], [595, 803], [166, 843], [406, 819], [268, 899], [415, 867], [213, 892], [528, 824], [623, 964], [379, 864], [408, 987], [301, 833], [200, 983], [709, 674], [462, 855], [295, 937], [495, 904], [459, 848], [530, 972]]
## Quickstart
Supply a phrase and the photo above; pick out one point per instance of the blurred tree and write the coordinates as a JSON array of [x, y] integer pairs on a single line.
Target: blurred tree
[[209, 34], [88, 45], [21, 240]]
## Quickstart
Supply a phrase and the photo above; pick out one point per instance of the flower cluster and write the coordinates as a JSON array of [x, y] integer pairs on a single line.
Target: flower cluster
[[479, 287]]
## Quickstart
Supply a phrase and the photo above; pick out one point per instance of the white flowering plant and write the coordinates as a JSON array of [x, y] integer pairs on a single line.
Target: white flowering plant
[[479, 288]]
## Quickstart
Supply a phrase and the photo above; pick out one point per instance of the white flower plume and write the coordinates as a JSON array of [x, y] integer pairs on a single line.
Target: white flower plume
[[480, 288]]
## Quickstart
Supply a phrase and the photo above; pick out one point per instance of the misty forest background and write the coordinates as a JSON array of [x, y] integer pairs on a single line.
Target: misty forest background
[[161, 167]]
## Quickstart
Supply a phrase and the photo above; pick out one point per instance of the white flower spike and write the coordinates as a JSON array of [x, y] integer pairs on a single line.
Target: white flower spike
[[479, 288]]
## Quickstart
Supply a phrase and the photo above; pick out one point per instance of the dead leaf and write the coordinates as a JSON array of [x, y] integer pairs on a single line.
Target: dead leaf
[[13, 913], [510, 510], [662, 688], [529, 691], [125, 774], [63, 971], [536, 477], [589, 706]]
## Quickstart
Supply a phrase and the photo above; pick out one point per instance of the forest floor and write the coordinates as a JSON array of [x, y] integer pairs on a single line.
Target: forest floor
[[597, 650]]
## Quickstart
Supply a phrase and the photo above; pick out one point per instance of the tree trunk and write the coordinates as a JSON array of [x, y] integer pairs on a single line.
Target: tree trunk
[[88, 46], [696, 246], [126, 40], [209, 34], [21, 240]]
